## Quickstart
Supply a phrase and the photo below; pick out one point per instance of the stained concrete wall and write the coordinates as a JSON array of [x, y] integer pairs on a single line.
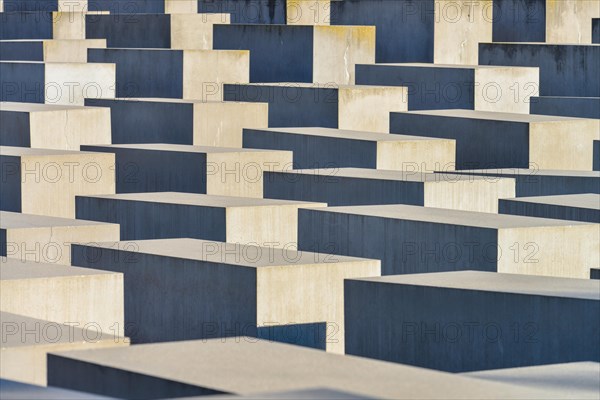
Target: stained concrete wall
[[577, 207], [581, 107], [247, 12], [43, 24]]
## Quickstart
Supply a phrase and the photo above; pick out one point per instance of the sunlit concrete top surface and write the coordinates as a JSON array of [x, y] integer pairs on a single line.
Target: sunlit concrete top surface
[[33, 107], [11, 390], [495, 116], [27, 151], [523, 172], [13, 220], [348, 134], [584, 200], [16, 269]]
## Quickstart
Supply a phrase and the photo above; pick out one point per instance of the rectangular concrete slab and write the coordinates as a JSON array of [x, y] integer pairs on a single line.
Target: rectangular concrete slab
[[22, 391], [506, 140], [50, 50], [596, 31], [50, 126], [211, 170], [194, 122], [46, 181], [581, 107], [247, 12], [41, 22], [361, 186], [411, 239], [443, 86], [471, 320], [242, 220], [206, 289], [574, 207], [338, 148]]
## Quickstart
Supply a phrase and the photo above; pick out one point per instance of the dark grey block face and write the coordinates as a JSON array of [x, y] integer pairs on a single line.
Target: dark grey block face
[[3, 244], [14, 129], [139, 170], [581, 107], [565, 70], [25, 25], [148, 121], [405, 28], [404, 247], [22, 82], [341, 191], [519, 21], [278, 53], [247, 11], [144, 73], [596, 155], [22, 51], [315, 151], [135, 30], [428, 88], [10, 195], [515, 207], [127, 6], [479, 143], [595, 273], [290, 106], [458, 330], [596, 30], [30, 5]]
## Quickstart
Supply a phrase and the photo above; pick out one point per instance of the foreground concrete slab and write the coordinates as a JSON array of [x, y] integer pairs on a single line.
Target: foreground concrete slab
[[52, 126], [278, 53], [46, 181], [53, 50], [207, 289], [55, 83], [187, 74], [63, 294], [210, 170], [574, 207], [21, 391], [506, 140], [241, 220], [411, 239], [42, 239], [509, 321], [339, 148], [361, 186], [445, 86], [560, 65], [356, 107], [581, 107], [26, 342], [257, 365], [197, 122], [579, 379]]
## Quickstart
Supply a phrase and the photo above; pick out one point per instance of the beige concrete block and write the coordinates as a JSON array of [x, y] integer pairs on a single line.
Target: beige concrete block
[[505, 89], [70, 51], [68, 25], [414, 153], [71, 83], [193, 31], [570, 21], [181, 6], [308, 12]]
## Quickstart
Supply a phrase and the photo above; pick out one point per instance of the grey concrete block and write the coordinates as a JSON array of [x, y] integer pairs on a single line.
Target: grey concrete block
[[580, 107], [411, 239], [11, 390], [50, 50], [574, 207], [468, 321], [596, 155], [594, 273], [596, 30]]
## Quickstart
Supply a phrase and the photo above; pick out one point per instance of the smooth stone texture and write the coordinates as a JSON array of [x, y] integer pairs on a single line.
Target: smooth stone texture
[[359, 186], [506, 140], [51, 50], [357, 107], [42, 239], [574, 207], [11, 390], [411, 239], [194, 122], [210, 170], [241, 220], [158, 370], [444, 86], [471, 320], [50, 126], [26, 342], [46, 181], [338, 148], [300, 53], [581, 107], [62, 294], [182, 289]]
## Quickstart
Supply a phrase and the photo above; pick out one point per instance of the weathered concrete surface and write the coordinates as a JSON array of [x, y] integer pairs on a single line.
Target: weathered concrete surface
[[53, 50], [300, 53], [62, 294], [55, 83], [42, 239], [445, 86], [194, 122], [578, 380], [361, 186], [337, 148], [187, 74], [46, 181], [247, 12], [241, 220], [170, 31], [226, 171], [506, 140], [411, 239], [471, 320], [152, 370], [50, 126], [565, 70], [26, 342], [574, 207], [535, 182], [581, 107], [21, 391], [206, 289], [357, 107]]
